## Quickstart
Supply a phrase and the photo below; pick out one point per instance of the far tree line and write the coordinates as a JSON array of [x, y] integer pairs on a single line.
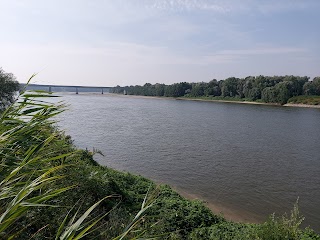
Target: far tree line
[[269, 89]]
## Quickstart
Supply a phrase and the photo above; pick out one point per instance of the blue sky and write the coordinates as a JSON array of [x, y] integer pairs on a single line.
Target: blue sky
[[129, 42]]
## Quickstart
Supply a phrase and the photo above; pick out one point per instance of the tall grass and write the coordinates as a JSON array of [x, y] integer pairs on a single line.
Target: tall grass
[[30, 165], [26, 168]]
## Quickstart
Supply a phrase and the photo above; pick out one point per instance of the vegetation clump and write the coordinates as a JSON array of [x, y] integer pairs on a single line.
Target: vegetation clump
[[8, 89], [268, 89], [309, 100]]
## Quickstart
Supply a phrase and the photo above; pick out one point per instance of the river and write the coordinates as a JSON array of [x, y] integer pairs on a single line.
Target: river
[[247, 161]]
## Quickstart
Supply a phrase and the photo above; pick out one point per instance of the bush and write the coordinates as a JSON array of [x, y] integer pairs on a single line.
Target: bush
[[8, 89]]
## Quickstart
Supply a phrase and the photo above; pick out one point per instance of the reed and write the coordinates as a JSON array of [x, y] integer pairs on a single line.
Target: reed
[[31, 166]]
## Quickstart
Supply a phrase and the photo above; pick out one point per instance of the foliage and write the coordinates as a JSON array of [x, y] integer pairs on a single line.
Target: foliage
[[225, 231], [275, 228], [313, 87], [229, 87], [8, 89], [284, 227], [276, 89]]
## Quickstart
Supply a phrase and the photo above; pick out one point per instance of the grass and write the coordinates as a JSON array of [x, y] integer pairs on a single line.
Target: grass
[[51, 190], [309, 100], [219, 98]]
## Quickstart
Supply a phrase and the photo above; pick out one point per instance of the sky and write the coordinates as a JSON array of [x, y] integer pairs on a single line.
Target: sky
[[132, 42]]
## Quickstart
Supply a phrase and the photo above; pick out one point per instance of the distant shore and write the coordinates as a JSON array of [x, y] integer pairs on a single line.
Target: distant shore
[[301, 105], [228, 101], [223, 101], [252, 102]]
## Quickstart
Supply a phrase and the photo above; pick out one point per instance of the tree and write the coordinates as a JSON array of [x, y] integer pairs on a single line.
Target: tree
[[247, 86], [198, 89], [213, 88], [296, 84], [269, 94], [284, 91], [8, 89], [254, 94], [316, 83], [309, 88], [159, 89], [177, 89], [229, 87], [313, 87]]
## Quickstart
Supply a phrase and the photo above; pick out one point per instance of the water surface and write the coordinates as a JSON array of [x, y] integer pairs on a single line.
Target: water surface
[[252, 160]]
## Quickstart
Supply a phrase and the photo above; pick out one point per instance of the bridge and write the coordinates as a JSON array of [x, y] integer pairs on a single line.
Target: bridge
[[65, 88]]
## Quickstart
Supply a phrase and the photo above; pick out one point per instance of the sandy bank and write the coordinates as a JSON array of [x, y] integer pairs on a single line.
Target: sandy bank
[[223, 101], [229, 214], [227, 101]]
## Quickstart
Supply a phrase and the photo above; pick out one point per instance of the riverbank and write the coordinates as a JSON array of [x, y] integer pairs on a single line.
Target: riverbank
[[223, 101], [228, 101], [234, 215], [301, 105]]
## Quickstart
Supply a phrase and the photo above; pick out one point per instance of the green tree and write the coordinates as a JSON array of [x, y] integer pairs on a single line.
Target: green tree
[[198, 89], [309, 89], [269, 94], [8, 88], [280, 93], [148, 90], [254, 93], [247, 86], [240, 87], [297, 83], [177, 89], [313, 87], [316, 83], [284, 91], [229, 87], [213, 88], [159, 89]]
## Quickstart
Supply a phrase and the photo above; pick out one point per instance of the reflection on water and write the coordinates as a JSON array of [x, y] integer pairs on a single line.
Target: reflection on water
[[251, 159]]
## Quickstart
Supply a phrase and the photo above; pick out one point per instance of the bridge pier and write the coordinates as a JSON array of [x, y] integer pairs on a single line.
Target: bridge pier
[[50, 89], [77, 92], [101, 90]]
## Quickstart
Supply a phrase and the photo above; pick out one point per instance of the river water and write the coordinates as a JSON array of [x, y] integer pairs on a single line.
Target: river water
[[247, 161]]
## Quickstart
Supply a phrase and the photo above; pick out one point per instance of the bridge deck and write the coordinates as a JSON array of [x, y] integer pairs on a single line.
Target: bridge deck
[[65, 88], [53, 85]]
